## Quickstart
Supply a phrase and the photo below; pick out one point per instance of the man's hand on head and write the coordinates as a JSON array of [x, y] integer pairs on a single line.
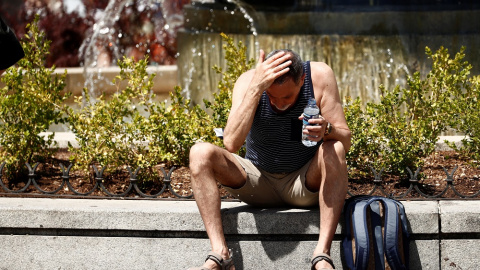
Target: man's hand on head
[[267, 71]]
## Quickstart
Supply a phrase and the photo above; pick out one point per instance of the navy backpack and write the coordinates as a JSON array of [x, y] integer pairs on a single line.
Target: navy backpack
[[375, 225]]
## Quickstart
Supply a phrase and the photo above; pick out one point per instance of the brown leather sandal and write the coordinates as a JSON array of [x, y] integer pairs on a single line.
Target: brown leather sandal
[[218, 259], [321, 257]]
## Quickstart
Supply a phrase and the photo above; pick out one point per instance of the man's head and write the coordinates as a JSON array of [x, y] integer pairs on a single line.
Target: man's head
[[295, 69], [283, 93]]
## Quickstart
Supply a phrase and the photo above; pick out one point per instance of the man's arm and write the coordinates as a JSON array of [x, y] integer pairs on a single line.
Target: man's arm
[[246, 94], [328, 99]]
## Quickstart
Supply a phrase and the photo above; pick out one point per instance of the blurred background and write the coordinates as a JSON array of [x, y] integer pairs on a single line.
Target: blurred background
[[140, 29]]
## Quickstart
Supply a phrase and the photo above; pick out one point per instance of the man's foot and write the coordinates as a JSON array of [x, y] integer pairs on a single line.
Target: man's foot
[[322, 261], [215, 261], [323, 265]]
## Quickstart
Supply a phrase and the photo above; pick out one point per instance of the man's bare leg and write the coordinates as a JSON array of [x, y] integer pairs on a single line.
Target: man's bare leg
[[328, 174], [209, 164]]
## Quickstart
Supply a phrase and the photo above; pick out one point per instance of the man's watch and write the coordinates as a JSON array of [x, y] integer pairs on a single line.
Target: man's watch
[[328, 130]]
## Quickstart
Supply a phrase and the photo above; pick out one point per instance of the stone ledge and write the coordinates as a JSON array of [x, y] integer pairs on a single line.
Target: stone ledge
[[63, 138], [460, 216], [164, 82], [162, 234], [180, 216]]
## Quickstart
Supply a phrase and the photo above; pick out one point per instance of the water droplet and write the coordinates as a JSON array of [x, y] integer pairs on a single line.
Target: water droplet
[[104, 30]]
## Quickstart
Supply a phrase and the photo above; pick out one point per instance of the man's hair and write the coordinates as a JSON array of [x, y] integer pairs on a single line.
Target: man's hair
[[296, 67]]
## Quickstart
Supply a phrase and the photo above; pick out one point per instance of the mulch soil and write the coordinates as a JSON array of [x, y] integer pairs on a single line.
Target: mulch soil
[[432, 181]]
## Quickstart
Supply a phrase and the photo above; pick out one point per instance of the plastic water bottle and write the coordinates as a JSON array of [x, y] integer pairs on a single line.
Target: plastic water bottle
[[311, 111]]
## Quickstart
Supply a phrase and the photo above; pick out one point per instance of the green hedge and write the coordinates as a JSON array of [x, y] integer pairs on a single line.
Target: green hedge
[[130, 129], [402, 129]]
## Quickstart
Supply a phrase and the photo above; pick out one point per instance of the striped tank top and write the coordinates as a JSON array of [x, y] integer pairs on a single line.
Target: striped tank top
[[274, 142]]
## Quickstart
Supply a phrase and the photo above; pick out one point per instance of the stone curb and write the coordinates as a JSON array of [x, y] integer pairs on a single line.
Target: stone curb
[[157, 234], [63, 138]]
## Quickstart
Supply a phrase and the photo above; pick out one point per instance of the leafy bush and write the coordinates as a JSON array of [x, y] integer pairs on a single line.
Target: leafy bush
[[175, 128], [28, 104], [407, 122], [466, 118], [365, 144], [110, 131], [129, 128]]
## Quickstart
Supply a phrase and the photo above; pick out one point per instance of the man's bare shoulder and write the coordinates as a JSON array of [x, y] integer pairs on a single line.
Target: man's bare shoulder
[[244, 80], [322, 76], [247, 75], [320, 68]]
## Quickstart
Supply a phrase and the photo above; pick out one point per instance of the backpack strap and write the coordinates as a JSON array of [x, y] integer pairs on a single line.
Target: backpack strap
[[354, 221], [355, 212], [362, 238], [376, 221], [405, 235], [394, 209]]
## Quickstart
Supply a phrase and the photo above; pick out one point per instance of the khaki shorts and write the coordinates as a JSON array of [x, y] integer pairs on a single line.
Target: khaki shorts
[[264, 189]]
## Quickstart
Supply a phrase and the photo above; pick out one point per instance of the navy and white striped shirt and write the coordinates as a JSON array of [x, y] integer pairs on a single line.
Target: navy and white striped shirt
[[274, 142]]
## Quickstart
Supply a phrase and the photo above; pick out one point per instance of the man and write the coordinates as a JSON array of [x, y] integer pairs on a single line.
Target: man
[[10, 48], [278, 170]]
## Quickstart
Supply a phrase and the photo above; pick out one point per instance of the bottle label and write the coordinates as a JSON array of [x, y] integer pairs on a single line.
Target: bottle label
[[307, 117]]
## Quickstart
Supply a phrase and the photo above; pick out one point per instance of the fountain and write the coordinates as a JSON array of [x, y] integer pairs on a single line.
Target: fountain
[[148, 28], [89, 36], [366, 43]]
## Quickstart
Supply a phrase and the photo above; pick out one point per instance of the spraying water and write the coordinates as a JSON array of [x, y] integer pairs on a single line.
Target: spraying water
[[132, 29], [93, 50]]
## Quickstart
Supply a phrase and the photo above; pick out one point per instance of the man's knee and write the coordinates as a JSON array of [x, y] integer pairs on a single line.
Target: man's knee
[[333, 153], [202, 151]]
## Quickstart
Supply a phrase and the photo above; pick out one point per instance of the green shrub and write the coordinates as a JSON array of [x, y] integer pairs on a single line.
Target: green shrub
[[365, 144], [175, 128], [112, 130], [466, 118], [129, 128], [407, 122], [28, 104]]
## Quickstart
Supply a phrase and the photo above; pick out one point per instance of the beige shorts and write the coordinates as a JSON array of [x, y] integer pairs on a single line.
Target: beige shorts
[[264, 189]]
